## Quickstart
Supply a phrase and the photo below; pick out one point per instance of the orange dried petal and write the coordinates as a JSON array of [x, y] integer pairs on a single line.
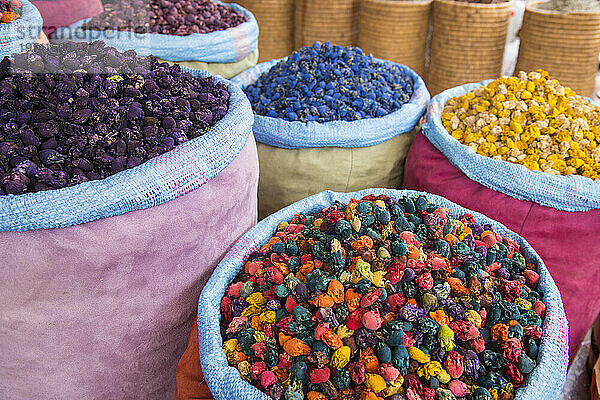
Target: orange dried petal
[[323, 300], [315, 396], [440, 317], [352, 300], [332, 340], [296, 347], [451, 239], [499, 333]]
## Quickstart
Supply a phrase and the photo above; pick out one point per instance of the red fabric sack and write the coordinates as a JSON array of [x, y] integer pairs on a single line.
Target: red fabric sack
[[566, 241]]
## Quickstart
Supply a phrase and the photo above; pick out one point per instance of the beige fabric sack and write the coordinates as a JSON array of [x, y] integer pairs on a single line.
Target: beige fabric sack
[[226, 70], [289, 175], [301, 159], [42, 38]]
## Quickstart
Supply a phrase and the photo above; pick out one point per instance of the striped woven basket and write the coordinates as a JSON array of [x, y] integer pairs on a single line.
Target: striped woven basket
[[564, 44], [318, 20], [467, 44], [276, 24], [396, 31]]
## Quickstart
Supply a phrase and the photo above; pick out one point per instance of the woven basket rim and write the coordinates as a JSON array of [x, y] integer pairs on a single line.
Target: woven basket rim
[[563, 29], [563, 19], [392, 16], [466, 4], [532, 7], [399, 3]]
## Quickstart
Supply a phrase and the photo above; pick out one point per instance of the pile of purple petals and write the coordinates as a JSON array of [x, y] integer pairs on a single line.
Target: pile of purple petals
[[168, 17], [77, 112]]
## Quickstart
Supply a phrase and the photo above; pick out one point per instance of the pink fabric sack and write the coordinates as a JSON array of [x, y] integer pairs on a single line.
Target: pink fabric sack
[[566, 241], [102, 310], [59, 13], [100, 281]]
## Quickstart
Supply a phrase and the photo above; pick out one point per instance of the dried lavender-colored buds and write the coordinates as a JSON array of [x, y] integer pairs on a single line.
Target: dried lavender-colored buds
[[168, 17], [77, 112], [325, 82]]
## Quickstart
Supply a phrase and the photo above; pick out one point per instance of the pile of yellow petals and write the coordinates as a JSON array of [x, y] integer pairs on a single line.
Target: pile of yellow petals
[[530, 120]]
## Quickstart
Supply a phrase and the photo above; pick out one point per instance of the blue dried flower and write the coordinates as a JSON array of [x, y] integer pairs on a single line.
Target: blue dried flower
[[320, 84]]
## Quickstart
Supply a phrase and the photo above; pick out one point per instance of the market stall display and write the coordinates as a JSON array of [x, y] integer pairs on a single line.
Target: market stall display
[[545, 190], [468, 42], [101, 268], [213, 36], [276, 21], [330, 315], [334, 21], [396, 31], [20, 26], [59, 13], [130, 192], [330, 117], [562, 37]]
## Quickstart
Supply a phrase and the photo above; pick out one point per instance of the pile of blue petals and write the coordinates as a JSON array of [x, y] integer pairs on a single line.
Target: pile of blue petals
[[325, 82]]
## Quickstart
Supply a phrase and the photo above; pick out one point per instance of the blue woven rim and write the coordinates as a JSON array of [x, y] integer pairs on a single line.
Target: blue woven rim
[[15, 36]]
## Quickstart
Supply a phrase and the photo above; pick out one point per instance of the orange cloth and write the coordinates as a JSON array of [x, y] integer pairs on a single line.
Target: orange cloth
[[190, 383]]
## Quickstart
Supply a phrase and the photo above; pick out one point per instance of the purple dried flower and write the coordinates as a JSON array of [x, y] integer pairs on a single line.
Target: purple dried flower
[[15, 183], [328, 315], [411, 312], [472, 365], [365, 338]]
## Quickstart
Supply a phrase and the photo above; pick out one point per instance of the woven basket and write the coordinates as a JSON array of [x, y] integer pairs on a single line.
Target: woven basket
[[396, 31], [276, 22], [467, 44], [564, 44], [319, 20]]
